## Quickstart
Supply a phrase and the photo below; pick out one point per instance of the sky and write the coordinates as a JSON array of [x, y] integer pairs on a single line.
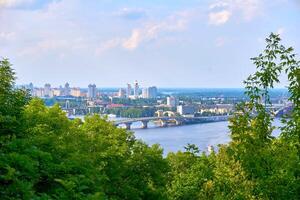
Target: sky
[[166, 43]]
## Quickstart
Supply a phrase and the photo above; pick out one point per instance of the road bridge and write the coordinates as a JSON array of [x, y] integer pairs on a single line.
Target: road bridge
[[172, 120]]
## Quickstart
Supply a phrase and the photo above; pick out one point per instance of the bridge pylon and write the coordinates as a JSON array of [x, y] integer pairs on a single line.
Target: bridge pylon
[[145, 124], [128, 124], [163, 123]]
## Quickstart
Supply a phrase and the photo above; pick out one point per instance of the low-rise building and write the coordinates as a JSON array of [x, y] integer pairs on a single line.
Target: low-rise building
[[216, 109], [186, 109]]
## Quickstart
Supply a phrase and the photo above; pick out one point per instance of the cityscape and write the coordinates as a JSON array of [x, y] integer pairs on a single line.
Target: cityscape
[[149, 100], [134, 104], [91, 93]]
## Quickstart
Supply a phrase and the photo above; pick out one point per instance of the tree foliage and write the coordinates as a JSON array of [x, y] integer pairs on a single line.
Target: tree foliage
[[254, 165], [44, 155]]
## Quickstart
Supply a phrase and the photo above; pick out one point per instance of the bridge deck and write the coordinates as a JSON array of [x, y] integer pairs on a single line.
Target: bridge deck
[[210, 118]]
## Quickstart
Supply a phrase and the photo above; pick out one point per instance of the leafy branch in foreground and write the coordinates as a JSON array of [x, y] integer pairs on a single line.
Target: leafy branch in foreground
[[254, 165]]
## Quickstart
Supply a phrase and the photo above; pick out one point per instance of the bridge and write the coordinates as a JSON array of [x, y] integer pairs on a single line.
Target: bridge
[[165, 121], [286, 110]]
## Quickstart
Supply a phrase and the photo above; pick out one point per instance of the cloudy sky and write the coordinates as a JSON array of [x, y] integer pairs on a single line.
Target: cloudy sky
[[170, 43]]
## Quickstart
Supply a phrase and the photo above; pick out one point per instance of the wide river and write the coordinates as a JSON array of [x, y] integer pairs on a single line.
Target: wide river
[[175, 138]]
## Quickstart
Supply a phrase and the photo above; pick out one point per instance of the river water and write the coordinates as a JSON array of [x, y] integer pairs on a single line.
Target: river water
[[175, 138]]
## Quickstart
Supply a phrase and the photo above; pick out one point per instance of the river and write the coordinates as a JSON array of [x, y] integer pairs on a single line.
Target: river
[[173, 139]]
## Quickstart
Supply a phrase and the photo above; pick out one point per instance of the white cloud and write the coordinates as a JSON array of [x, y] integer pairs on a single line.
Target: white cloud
[[13, 3], [248, 9], [147, 32], [151, 31], [219, 18], [134, 40]]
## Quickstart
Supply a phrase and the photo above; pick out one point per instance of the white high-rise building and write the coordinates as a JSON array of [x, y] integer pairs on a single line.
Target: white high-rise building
[[186, 109], [38, 92], [57, 92], [145, 93], [128, 92], [136, 89], [121, 93], [171, 101], [67, 90], [47, 90], [75, 92], [92, 91]]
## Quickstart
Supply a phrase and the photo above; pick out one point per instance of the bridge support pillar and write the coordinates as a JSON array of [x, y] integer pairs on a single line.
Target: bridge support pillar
[[163, 123], [145, 124], [128, 126], [178, 122]]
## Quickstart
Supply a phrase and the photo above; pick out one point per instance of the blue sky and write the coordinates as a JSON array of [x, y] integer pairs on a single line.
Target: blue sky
[[171, 43]]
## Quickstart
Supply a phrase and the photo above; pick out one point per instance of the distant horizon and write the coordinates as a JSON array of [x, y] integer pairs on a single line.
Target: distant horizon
[[159, 88], [174, 43]]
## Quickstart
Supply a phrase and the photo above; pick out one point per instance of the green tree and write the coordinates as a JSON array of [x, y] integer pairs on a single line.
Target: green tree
[[254, 165], [261, 156], [12, 102], [44, 155]]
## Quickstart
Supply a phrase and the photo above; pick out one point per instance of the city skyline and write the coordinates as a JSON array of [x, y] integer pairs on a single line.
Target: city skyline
[[92, 91], [194, 44]]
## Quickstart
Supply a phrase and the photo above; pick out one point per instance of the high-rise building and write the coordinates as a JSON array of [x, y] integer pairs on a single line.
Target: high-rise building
[[136, 89], [171, 101], [67, 90], [150, 92], [128, 92], [92, 91], [145, 93], [62, 92], [47, 90], [38, 92], [31, 88], [121, 93], [57, 92], [75, 92]]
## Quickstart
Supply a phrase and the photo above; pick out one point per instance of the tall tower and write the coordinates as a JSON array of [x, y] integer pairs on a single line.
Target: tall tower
[[136, 89], [128, 91], [152, 92], [145, 93], [31, 89], [47, 90], [92, 91], [121, 93], [67, 89]]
